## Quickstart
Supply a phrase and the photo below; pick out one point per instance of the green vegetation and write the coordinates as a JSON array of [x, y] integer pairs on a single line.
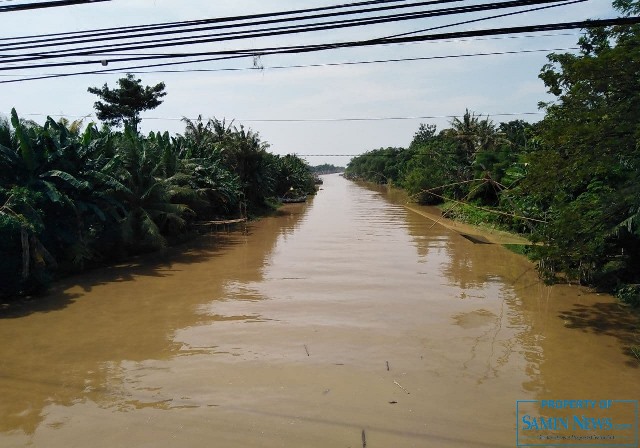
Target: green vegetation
[[72, 198], [520, 249], [570, 182], [327, 168], [124, 104], [473, 162]]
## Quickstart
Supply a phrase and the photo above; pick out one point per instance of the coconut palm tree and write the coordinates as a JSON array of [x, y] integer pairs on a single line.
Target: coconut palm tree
[[474, 134]]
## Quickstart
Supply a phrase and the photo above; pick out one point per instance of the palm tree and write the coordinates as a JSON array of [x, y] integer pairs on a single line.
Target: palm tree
[[474, 136], [200, 134], [246, 155]]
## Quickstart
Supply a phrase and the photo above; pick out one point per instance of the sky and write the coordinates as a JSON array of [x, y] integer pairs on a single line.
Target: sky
[[324, 98]]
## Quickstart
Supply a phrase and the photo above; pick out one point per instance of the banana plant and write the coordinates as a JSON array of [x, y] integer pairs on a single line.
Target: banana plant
[[146, 194]]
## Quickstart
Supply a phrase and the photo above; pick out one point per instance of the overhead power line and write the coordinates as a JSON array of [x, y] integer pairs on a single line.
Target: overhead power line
[[136, 68], [94, 50], [281, 67], [224, 23], [146, 66], [481, 19], [47, 4], [204, 21], [234, 54], [376, 61]]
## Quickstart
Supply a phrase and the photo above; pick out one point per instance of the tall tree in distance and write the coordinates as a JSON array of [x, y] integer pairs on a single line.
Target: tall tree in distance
[[123, 104]]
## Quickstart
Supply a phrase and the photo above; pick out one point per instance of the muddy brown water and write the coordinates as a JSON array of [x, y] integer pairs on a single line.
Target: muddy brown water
[[346, 317]]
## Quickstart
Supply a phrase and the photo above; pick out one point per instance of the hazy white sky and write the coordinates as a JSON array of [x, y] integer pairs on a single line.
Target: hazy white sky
[[438, 87]]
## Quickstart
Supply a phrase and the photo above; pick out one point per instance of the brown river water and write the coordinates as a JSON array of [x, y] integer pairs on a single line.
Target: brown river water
[[346, 321]]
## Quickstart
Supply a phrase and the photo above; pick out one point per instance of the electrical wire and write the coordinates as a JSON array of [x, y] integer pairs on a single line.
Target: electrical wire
[[131, 68], [299, 49], [269, 32], [378, 61], [498, 16], [203, 21], [281, 67], [48, 4], [130, 32]]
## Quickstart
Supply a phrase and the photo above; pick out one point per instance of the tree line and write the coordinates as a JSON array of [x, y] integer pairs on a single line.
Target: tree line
[[73, 197], [571, 182], [327, 168]]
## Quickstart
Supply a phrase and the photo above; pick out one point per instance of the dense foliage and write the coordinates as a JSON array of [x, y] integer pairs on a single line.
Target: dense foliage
[[585, 177], [470, 161], [327, 168], [72, 198], [571, 182]]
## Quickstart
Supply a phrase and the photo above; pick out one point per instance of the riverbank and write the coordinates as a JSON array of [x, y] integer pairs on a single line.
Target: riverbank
[[475, 233], [628, 295], [18, 304]]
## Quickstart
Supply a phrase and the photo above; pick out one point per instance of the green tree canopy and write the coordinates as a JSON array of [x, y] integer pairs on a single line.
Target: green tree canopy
[[123, 104], [587, 173]]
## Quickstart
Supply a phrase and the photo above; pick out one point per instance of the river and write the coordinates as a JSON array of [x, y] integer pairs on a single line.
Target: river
[[345, 321]]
